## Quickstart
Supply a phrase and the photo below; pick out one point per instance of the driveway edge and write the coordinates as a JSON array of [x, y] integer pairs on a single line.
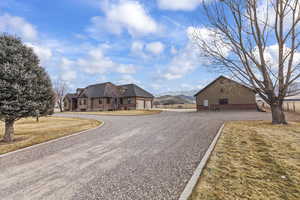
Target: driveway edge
[[194, 179], [50, 141]]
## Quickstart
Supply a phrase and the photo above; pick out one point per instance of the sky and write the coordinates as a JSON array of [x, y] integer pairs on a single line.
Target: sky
[[122, 41]]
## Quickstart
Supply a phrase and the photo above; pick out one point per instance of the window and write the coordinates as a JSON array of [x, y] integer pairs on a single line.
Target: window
[[108, 100], [100, 101], [121, 101], [129, 100], [223, 101], [84, 102], [222, 90]]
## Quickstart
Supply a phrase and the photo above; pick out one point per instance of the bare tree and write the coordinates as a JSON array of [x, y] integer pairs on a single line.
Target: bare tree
[[257, 42], [61, 89]]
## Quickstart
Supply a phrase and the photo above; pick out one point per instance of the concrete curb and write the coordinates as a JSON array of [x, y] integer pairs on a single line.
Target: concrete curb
[[193, 181], [131, 115], [50, 141]]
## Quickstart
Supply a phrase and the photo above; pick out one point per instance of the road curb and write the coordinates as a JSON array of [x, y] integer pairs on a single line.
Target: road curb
[[194, 179], [131, 115], [50, 141]]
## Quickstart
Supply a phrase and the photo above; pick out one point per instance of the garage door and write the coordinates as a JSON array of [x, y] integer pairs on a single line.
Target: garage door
[[140, 104], [148, 105]]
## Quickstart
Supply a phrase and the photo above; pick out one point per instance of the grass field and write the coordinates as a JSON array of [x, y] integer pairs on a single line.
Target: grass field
[[120, 112], [29, 132], [253, 160]]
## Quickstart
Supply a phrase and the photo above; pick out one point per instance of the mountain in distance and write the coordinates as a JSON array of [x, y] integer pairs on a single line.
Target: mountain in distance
[[180, 97], [189, 93]]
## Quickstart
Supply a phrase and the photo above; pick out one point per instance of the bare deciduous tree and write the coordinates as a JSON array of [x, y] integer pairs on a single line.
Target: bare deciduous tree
[[257, 42], [61, 89]]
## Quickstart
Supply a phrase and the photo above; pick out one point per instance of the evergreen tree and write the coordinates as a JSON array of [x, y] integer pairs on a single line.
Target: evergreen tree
[[25, 87]]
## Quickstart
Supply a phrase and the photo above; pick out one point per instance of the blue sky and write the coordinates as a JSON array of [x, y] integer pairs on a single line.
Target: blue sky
[[122, 41]]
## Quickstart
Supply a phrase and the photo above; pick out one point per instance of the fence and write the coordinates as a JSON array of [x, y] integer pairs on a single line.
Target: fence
[[288, 106]]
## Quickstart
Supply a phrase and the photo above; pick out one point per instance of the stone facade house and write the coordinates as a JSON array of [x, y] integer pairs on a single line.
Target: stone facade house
[[225, 94], [107, 96]]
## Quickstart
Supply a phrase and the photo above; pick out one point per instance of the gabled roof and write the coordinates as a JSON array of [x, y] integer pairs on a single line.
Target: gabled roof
[[70, 96], [108, 89], [100, 90], [132, 90], [220, 77]]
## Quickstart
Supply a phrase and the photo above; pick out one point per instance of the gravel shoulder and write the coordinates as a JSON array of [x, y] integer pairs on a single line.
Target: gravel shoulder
[[132, 157]]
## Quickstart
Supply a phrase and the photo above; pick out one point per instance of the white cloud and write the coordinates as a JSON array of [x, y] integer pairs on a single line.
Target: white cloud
[[184, 61], [44, 53], [137, 47], [126, 69], [69, 75], [124, 15], [95, 62], [211, 38], [266, 12], [155, 47], [127, 79], [271, 56], [187, 5], [19, 26], [68, 72], [173, 50]]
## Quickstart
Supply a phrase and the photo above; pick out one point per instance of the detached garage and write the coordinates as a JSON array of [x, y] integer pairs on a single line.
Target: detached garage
[[225, 94], [140, 99], [140, 104]]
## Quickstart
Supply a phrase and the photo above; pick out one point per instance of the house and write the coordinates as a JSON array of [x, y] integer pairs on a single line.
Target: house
[[108, 96], [225, 94]]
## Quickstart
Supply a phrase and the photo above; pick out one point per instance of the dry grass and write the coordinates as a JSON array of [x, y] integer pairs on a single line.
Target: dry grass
[[253, 160], [120, 112], [29, 132], [177, 106]]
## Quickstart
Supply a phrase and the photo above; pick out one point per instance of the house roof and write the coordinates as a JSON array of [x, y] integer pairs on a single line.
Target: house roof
[[108, 89], [132, 90], [220, 77], [70, 96], [100, 90]]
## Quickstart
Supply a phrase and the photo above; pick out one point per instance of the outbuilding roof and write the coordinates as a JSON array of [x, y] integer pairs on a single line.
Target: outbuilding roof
[[220, 77]]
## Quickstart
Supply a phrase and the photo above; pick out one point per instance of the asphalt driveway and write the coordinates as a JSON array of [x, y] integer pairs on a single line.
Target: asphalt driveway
[[136, 157]]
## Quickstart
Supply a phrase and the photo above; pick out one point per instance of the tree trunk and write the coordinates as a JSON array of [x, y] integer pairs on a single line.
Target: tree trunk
[[9, 131], [60, 107], [278, 116]]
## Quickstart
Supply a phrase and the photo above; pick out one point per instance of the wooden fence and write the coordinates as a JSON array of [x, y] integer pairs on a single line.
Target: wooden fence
[[288, 106]]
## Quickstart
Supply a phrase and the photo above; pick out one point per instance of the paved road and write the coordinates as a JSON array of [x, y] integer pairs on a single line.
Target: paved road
[[137, 157]]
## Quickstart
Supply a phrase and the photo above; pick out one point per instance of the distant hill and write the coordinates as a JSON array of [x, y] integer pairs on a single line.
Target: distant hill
[[171, 99], [189, 93]]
